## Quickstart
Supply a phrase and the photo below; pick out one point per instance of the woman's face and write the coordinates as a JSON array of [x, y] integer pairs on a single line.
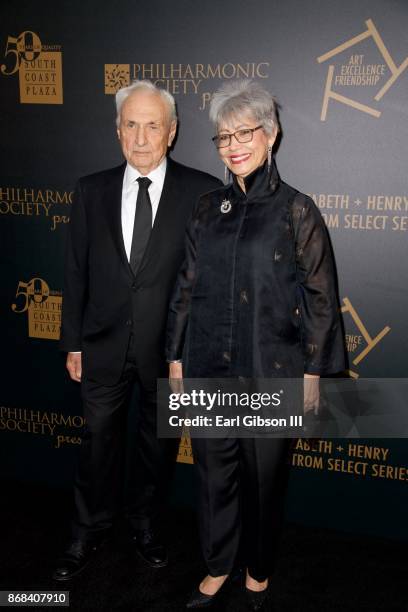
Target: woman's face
[[244, 158]]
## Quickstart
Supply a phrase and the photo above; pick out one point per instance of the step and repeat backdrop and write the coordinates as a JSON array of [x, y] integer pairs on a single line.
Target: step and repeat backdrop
[[340, 72]]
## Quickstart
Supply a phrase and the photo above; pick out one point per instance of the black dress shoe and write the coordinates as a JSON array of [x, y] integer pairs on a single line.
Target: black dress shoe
[[149, 547], [75, 558], [256, 599]]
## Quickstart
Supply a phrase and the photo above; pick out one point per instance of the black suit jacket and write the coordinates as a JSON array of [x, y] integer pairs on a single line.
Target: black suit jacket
[[103, 301]]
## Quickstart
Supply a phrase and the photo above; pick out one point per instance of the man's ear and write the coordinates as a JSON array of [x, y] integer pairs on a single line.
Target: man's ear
[[172, 132]]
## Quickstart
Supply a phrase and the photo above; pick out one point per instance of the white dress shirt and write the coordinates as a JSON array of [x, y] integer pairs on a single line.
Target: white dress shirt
[[130, 190]]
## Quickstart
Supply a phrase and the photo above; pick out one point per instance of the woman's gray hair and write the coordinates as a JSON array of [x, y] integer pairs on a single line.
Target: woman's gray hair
[[145, 85], [245, 97]]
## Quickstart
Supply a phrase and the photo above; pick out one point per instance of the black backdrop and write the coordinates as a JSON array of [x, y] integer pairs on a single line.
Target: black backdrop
[[339, 69]]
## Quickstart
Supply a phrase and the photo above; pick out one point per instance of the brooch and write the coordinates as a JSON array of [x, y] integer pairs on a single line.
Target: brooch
[[225, 206]]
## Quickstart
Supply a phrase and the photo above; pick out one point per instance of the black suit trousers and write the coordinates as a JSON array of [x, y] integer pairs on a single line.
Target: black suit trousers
[[241, 487], [99, 478]]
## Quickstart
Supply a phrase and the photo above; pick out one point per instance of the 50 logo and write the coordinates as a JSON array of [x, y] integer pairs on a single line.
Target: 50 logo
[[43, 307], [27, 46], [35, 291], [39, 68]]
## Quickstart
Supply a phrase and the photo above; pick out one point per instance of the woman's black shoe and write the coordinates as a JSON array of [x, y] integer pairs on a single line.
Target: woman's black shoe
[[256, 599], [201, 600]]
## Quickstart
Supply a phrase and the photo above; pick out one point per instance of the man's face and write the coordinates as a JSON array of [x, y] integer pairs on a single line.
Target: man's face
[[145, 131]]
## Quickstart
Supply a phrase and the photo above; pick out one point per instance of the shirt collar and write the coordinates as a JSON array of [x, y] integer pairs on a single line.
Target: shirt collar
[[156, 176]]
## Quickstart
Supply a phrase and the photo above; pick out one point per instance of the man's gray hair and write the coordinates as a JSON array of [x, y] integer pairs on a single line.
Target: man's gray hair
[[145, 85], [242, 98]]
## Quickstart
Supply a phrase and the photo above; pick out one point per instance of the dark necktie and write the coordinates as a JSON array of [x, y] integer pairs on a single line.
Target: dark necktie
[[142, 225]]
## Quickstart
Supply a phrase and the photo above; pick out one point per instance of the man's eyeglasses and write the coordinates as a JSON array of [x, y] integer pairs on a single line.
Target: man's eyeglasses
[[244, 135]]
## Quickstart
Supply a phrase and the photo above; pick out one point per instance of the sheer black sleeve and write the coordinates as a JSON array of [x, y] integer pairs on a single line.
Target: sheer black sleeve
[[322, 336]]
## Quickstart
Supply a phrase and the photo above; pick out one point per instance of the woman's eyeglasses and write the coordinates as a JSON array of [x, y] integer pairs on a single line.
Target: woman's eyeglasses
[[244, 135]]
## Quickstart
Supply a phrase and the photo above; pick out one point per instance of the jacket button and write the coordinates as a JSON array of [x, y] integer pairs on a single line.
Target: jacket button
[[297, 311], [243, 296], [226, 356], [129, 322]]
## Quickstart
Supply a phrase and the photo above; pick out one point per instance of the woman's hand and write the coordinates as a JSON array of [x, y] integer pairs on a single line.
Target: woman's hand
[[176, 376], [311, 393]]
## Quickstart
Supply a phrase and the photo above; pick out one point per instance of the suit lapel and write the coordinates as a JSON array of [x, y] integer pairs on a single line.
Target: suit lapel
[[164, 215]]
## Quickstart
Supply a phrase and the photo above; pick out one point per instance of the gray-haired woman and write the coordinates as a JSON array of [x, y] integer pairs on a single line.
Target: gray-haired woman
[[255, 298]]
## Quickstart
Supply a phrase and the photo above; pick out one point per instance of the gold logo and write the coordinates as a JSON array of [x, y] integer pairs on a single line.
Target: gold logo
[[116, 77], [43, 307], [182, 79], [49, 204], [39, 68], [361, 343], [356, 72], [185, 453], [62, 429]]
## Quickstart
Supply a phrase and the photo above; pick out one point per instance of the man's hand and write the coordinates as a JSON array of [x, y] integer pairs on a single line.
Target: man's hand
[[176, 376], [74, 366]]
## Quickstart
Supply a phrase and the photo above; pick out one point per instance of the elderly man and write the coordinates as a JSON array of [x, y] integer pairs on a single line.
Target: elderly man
[[125, 246]]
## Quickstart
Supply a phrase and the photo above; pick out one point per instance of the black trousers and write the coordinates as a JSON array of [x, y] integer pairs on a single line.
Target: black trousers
[[99, 478], [241, 487]]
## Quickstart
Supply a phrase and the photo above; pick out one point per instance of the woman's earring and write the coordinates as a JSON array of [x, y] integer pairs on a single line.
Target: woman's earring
[[269, 157], [226, 175]]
